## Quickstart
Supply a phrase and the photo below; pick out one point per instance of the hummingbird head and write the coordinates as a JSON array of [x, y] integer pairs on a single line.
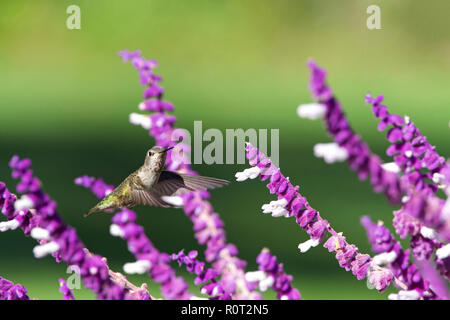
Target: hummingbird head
[[156, 157]]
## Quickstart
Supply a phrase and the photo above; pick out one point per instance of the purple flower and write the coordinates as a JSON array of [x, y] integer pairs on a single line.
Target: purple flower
[[360, 158], [213, 288], [11, 291], [281, 282], [306, 217], [64, 289], [401, 267]]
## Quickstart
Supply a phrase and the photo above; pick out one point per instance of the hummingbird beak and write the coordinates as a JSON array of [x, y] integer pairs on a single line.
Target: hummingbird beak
[[165, 150]]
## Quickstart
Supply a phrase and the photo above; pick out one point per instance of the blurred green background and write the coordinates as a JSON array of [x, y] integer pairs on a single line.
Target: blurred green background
[[66, 97]]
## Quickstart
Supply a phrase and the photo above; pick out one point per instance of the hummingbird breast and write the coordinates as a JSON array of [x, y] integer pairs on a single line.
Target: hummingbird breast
[[149, 177]]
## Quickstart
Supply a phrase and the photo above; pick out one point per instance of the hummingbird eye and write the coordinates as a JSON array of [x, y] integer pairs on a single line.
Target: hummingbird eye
[[150, 153]]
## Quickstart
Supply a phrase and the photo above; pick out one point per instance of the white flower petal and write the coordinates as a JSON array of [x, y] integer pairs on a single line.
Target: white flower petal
[[330, 152], [249, 173], [139, 267], [311, 111], [173, 200], [9, 225], [305, 246], [253, 276], [141, 120], [24, 202], [385, 258], [40, 234], [438, 178], [266, 283], [45, 249], [115, 230], [443, 252], [391, 167], [428, 233], [407, 295]]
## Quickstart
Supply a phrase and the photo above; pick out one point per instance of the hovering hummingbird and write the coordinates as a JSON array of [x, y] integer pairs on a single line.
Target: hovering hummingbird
[[151, 182]]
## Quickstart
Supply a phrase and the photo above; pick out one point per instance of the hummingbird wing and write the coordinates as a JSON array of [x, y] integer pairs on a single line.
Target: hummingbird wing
[[139, 195], [171, 183], [147, 198]]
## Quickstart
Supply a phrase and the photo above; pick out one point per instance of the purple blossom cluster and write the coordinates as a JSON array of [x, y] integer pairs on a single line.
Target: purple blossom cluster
[[295, 205], [281, 282], [11, 291], [398, 261], [417, 173], [360, 158], [65, 290], [203, 274]]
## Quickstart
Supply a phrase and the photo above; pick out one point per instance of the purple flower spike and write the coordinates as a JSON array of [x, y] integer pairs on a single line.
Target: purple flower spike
[[275, 275], [391, 254], [360, 158], [64, 289], [288, 204], [213, 288], [11, 291]]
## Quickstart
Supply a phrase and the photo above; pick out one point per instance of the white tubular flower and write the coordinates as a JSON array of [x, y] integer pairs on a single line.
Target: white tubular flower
[[173, 200], [250, 173], [9, 225], [264, 280], [115, 230], [45, 249], [391, 167], [139, 267], [405, 295], [253, 276], [428, 233], [40, 234], [438, 178], [443, 252], [266, 283], [384, 258], [407, 119], [311, 111], [330, 152], [140, 120], [276, 208], [405, 199], [23, 203], [305, 246]]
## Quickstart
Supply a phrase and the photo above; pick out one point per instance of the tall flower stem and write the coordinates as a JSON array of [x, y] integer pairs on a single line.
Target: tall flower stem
[[360, 158]]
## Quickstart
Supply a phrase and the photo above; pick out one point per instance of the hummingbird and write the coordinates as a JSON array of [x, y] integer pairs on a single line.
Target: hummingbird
[[148, 184]]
